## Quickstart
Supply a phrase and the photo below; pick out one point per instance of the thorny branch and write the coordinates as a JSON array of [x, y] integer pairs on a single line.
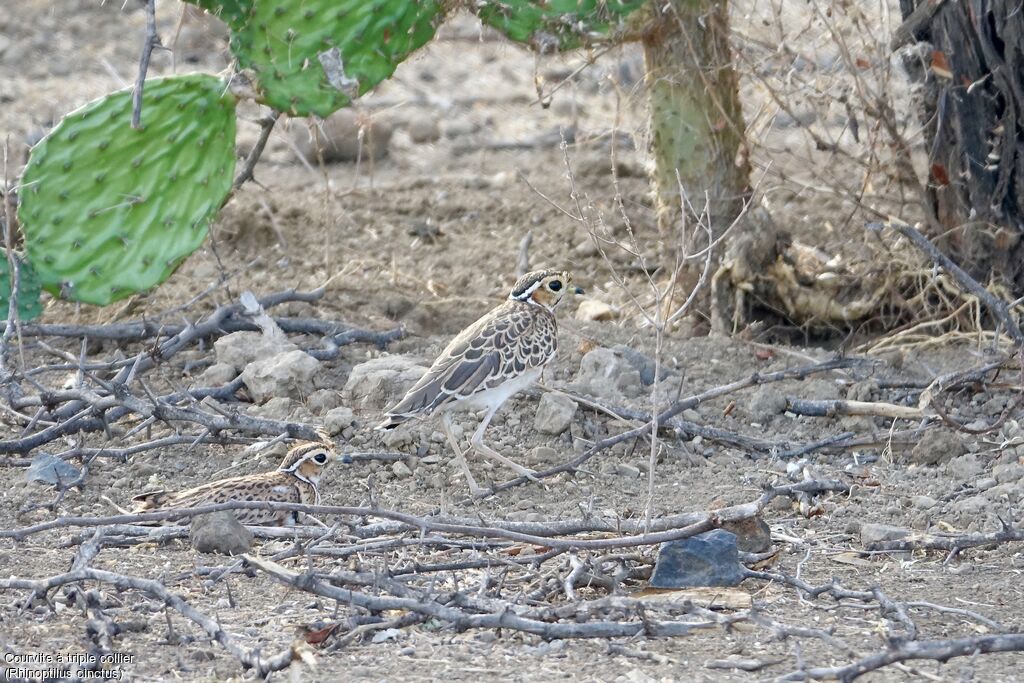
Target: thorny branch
[[149, 43]]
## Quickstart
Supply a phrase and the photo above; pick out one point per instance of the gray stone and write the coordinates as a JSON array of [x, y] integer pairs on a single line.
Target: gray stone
[[49, 469], [871, 534], [380, 382], [401, 470], [554, 413], [752, 534], [423, 128], [607, 374], [937, 446], [542, 455], [323, 400], [217, 375], [277, 408], [644, 365], [975, 505], [1009, 491], [339, 419], [344, 136], [765, 403], [219, 532], [985, 483], [627, 471], [965, 468], [238, 349], [923, 502], [286, 374], [709, 559], [1008, 472]]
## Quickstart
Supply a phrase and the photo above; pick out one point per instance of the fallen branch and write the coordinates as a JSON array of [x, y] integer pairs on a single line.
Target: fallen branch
[[250, 659]]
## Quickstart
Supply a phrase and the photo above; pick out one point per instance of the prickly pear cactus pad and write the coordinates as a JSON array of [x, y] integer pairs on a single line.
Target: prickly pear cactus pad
[[231, 12], [556, 24], [108, 210], [315, 56], [29, 289]]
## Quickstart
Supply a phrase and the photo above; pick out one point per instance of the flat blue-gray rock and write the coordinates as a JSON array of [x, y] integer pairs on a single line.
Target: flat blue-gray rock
[[709, 559]]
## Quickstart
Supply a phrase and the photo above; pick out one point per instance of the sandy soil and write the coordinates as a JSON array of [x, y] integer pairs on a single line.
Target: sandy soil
[[428, 237]]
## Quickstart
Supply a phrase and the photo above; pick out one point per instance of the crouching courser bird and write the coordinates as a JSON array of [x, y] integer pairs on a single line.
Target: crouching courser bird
[[296, 480], [499, 355]]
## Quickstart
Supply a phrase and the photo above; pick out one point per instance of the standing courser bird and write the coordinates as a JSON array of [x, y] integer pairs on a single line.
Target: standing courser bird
[[499, 355], [294, 481]]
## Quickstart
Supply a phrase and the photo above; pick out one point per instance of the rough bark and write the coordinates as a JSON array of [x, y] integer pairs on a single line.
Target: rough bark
[[968, 62], [697, 124]]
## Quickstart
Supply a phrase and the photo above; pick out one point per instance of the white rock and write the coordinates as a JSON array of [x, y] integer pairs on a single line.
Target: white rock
[[285, 374], [217, 375], [339, 419], [593, 309], [554, 413], [239, 349], [380, 382], [605, 373]]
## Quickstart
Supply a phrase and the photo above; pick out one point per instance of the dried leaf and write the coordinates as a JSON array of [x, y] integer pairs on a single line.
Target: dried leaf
[[940, 66], [939, 174], [852, 559]]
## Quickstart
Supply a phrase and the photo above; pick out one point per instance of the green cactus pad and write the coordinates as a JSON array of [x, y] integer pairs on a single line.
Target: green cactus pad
[[108, 210], [314, 57], [29, 289], [231, 12], [557, 24]]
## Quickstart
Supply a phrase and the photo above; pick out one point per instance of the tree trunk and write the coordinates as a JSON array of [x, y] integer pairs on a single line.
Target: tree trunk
[[697, 125], [969, 64]]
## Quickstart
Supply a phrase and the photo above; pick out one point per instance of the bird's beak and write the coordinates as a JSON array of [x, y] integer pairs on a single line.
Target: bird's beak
[[579, 290], [343, 458]]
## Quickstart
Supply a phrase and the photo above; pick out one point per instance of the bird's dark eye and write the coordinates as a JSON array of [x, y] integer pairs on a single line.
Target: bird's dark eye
[[555, 285], [320, 458]]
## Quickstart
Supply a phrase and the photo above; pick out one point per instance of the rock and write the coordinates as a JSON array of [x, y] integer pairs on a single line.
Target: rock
[[965, 468], [971, 507], [323, 400], [937, 446], [627, 471], [709, 559], [277, 408], [339, 419], [239, 349], [1009, 491], [985, 483], [401, 470], [644, 364], [219, 532], [286, 374], [923, 502], [765, 403], [423, 128], [343, 136], [871, 534], [217, 375], [542, 455], [1008, 472], [752, 534], [554, 413], [607, 374], [592, 309], [49, 469], [380, 382]]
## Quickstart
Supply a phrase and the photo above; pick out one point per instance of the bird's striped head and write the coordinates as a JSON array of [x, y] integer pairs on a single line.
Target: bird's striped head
[[308, 459], [544, 288]]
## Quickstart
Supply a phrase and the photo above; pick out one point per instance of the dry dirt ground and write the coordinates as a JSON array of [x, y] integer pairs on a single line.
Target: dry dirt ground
[[428, 237]]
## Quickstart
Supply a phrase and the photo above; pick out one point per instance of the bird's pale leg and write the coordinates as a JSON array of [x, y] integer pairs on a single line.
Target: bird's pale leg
[[446, 424], [477, 442]]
